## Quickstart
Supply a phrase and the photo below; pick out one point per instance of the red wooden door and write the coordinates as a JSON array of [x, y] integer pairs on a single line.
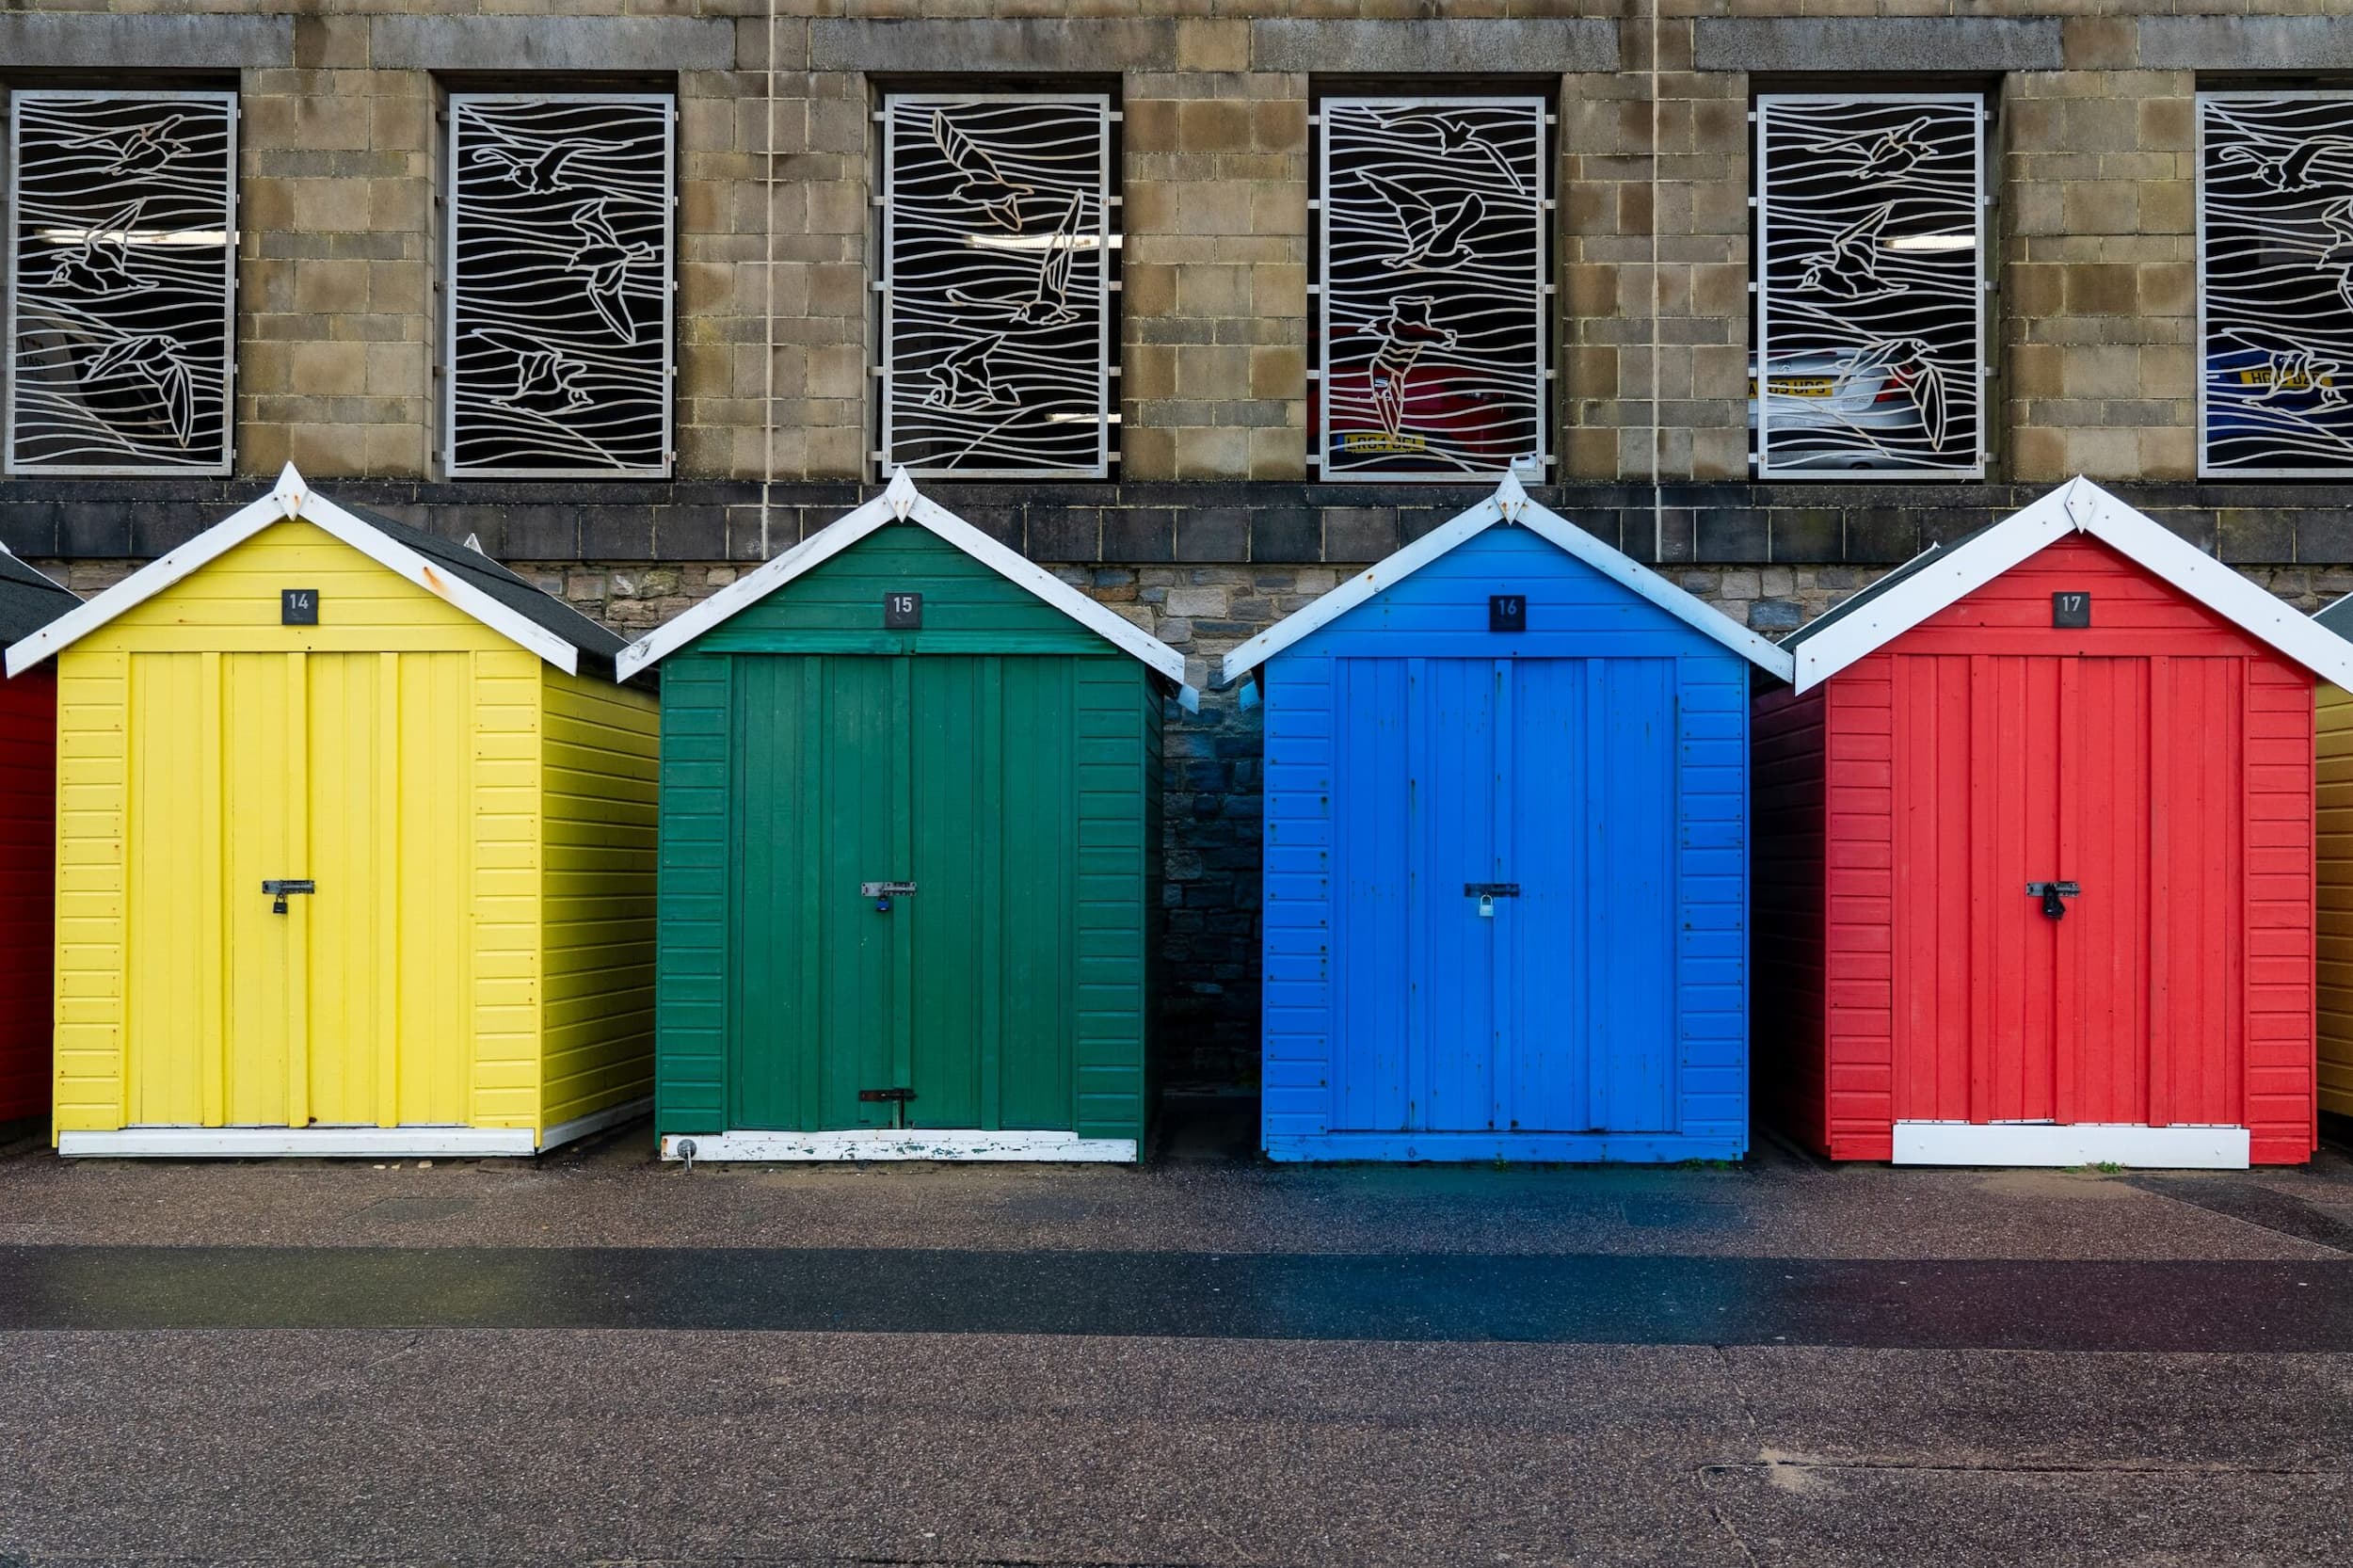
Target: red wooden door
[[2121, 774]]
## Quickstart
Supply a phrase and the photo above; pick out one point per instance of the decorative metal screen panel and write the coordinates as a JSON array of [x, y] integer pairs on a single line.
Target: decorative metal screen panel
[[1431, 287], [1870, 308], [2275, 265], [996, 318], [557, 351], [121, 282]]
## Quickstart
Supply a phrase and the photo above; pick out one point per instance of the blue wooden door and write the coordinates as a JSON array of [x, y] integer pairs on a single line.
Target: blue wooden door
[[1555, 1013]]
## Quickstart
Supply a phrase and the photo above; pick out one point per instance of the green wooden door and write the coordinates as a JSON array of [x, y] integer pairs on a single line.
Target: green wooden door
[[959, 774]]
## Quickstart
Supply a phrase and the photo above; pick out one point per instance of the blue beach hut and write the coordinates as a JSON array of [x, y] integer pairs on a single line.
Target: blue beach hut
[[1507, 814]]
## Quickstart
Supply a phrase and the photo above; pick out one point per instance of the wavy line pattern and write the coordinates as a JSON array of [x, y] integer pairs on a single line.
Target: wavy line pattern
[[559, 348], [1869, 317], [124, 274], [2276, 206], [1432, 272], [996, 323]]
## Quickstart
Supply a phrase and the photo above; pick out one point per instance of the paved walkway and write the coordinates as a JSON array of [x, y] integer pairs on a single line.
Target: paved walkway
[[594, 1358]]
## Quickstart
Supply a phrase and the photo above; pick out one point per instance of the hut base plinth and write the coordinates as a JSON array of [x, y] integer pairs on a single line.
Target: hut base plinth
[[2181, 1148], [338, 1143], [910, 1144]]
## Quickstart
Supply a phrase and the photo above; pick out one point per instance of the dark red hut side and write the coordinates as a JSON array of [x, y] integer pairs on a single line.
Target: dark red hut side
[[28, 845]]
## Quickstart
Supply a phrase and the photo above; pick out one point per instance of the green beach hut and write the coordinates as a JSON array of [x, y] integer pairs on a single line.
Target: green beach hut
[[910, 849]]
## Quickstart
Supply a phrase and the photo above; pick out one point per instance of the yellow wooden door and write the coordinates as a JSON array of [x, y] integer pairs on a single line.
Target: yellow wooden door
[[346, 769]]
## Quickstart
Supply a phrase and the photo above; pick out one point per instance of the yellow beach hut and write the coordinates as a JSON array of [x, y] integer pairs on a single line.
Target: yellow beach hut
[[356, 849]]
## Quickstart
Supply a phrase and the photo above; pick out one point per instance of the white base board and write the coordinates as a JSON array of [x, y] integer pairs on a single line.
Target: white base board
[[911, 1143], [337, 1143], [2180, 1148]]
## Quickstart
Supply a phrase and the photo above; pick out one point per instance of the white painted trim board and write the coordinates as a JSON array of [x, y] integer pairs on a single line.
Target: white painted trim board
[[292, 499], [1510, 504], [2180, 1148], [910, 1144]]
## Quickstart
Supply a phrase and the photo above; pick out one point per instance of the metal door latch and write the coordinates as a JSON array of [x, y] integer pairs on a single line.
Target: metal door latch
[[886, 1095], [279, 887], [1487, 892], [2050, 893], [883, 892]]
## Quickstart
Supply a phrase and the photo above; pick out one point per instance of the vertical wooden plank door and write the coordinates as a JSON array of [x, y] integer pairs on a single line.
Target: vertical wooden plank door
[[1556, 1012], [957, 774], [2120, 775], [346, 1009]]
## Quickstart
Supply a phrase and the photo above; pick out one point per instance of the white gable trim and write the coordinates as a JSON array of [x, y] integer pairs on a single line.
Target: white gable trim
[[292, 499], [1510, 504], [2077, 506], [901, 502]]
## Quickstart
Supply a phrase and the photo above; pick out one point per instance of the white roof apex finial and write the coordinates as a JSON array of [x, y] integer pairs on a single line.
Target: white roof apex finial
[[291, 491], [1510, 496], [2082, 502], [901, 494]]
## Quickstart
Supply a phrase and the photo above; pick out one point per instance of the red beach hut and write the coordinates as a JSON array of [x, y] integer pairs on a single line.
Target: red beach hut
[[29, 848], [2034, 868]]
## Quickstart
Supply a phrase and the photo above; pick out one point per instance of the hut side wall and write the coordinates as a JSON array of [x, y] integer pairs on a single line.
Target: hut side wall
[[601, 771], [28, 828], [1788, 953], [2334, 826], [1573, 613], [2235, 1028], [695, 810]]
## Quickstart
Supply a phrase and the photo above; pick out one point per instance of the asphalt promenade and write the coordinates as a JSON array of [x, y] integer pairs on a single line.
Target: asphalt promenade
[[594, 1358]]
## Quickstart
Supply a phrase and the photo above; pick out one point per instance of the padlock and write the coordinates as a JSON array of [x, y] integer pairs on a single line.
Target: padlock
[[1486, 907]]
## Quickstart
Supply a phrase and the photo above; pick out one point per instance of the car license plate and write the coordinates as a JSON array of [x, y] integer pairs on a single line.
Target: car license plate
[[1802, 386], [1379, 440]]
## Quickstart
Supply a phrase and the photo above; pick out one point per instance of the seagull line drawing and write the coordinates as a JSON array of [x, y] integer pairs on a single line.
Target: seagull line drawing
[[537, 172], [961, 382], [1433, 241], [156, 361], [606, 261], [99, 266], [540, 373], [1047, 304], [981, 184], [1849, 266], [1892, 155], [2296, 366], [141, 149], [1404, 332], [1455, 135], [2287, 171], [1922, 379], [2337, 218]]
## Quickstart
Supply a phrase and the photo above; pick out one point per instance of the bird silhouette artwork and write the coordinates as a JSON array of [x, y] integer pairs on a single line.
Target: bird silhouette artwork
[[155, 360], [961, 382], [545, 377], [1048, 302], [1456, 136], [2288, 171], [1888, 155], [979, 183], [1404, 333], [2337, 218], [99, 266], [1434, 240], [1921, 377], [140, 150], [606, 263], [1849, 266], [2296, 366], [538, 170]]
